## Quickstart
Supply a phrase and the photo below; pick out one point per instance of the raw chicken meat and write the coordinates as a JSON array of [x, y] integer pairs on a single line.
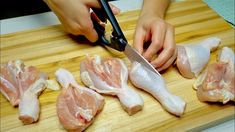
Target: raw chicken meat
[[76, 105], [109, 76], [217, 83], [9, 82], [29, 103], [191, 59], [21, 85], [145, 79]]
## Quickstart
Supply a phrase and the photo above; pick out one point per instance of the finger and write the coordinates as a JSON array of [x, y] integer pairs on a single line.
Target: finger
[[92, 3], [168, 49], [158, 34], [169, 62], [138, 42], [88, 30], [91, 34], [72, 27]]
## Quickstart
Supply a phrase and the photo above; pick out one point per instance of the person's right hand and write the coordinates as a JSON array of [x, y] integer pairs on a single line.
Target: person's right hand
[[75, 16]]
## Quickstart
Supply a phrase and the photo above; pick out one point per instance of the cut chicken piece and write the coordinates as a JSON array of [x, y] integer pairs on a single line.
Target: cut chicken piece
[[154, 84], [217, 83], [109, 76], [191, 59], [22, 85], [76, 105], [10, 81], [29, 103]]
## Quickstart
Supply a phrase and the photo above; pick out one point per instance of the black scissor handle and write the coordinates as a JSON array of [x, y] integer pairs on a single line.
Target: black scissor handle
[[117, 40], [101, 33]]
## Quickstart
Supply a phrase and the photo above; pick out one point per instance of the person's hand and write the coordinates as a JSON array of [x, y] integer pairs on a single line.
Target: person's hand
[[162, 50], [75, 16]]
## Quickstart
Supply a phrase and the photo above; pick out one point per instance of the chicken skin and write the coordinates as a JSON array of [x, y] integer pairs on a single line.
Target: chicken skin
[[22, 85], [217, 83], [192, 59], [110, 76], [154, 84], [76, 105]]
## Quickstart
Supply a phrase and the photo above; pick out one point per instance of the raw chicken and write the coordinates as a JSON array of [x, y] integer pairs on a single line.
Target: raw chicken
[[21, 85], [145, 79], [76, 105], [109, 76], [191, 59], [9, 82], [29, 103], [217, 83]]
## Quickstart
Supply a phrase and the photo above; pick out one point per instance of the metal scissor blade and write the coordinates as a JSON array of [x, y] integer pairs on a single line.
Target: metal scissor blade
[[133, 56]]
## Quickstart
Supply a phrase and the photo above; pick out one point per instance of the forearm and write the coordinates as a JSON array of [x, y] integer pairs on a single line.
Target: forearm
[[155, 7]]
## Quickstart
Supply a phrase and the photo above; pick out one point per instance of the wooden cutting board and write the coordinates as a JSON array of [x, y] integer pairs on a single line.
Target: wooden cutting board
[[50, 48]]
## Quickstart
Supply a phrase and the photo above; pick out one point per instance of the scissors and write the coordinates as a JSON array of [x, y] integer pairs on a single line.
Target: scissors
[[117, 39]]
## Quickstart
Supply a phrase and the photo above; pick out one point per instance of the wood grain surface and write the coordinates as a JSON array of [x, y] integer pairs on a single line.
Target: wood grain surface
[[50, 48]]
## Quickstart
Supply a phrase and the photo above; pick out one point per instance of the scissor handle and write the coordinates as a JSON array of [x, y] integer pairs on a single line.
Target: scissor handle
[[101, 33], [110, 16], [117, 40]]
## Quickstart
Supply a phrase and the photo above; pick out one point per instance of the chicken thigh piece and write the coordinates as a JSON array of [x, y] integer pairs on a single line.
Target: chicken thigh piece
[[191, 59], [217, 83], [21, 85], [154, 84], [76, 105], [109, 76]]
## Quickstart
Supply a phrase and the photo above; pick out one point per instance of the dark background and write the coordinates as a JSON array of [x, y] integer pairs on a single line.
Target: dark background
[[16, 8]]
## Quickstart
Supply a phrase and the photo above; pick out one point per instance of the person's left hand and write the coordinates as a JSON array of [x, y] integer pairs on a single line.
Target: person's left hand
[[160, 34]]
